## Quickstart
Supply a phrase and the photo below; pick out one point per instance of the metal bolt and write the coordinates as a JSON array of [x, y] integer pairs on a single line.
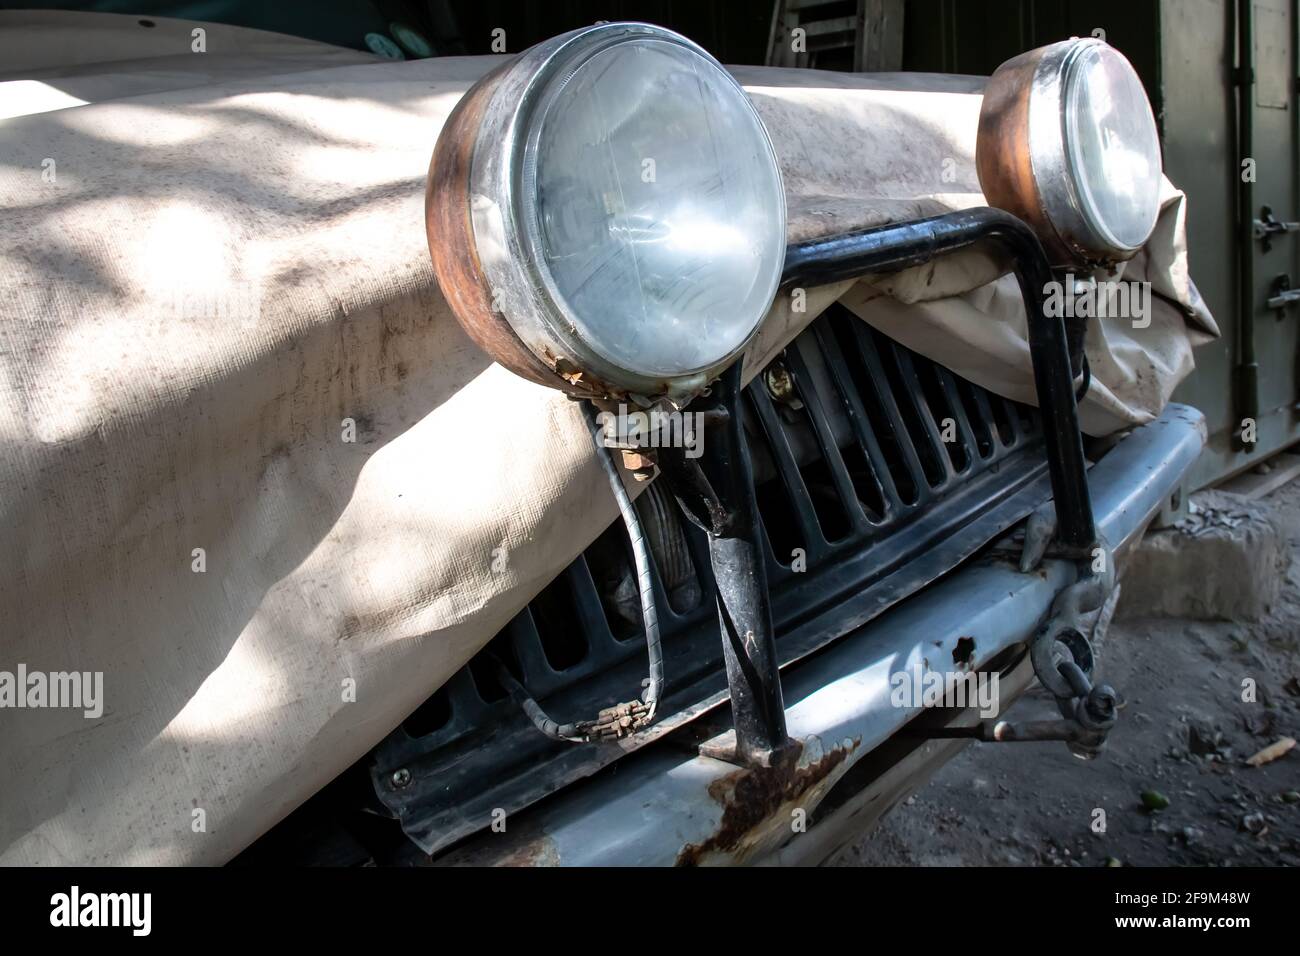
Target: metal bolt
[[400, 779], [780, 385]]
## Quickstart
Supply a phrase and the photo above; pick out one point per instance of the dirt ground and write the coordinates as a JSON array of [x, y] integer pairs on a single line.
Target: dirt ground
[[1184, 735]]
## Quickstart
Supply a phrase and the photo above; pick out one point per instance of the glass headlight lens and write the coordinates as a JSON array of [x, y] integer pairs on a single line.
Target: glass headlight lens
[[1068, 142], [625, 213], [1113, 148], [655, 212]]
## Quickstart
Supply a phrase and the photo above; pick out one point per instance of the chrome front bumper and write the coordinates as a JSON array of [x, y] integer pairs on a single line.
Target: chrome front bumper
[[664, 806]]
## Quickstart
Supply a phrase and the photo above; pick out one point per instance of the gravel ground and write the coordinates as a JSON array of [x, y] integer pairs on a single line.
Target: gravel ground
[[1184, 735]]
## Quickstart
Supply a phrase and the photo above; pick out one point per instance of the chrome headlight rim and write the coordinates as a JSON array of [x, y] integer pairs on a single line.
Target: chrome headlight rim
[[518, 282], [1027, 159]]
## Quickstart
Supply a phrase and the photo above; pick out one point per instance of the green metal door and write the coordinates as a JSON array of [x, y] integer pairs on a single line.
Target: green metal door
[[1229, 76]]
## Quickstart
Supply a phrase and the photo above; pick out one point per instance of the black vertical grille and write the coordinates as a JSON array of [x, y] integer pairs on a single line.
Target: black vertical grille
[[862, 501]]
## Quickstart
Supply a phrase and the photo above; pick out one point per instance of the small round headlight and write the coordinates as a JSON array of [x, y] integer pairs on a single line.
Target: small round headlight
[[605, 214], [1067, 141]]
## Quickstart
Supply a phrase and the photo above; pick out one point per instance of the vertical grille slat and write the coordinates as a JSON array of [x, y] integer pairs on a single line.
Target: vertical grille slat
[[536, 671], [941, 467], [467, 706], [602, 646], [1005, 413], [778, 569], [983, 419], [791, 478], [839, 473], [965, 426], [861, 426], [865, 351]]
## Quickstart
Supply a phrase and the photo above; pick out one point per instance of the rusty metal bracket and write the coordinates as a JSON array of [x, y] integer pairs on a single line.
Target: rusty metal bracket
[[717, 493]]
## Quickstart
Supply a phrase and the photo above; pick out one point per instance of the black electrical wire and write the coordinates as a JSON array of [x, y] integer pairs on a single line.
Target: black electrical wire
[[1085, 382], [649, 613], [541, 721], [641, 559]]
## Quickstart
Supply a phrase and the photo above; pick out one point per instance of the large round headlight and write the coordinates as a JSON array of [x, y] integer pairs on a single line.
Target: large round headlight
[[605, 214], [1067, 141]]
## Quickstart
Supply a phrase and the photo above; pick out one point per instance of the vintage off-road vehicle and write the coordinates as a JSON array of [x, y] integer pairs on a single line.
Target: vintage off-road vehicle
[[587, 456]]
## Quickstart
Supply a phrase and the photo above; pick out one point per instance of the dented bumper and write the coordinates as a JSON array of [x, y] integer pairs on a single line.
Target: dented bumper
[[665, 805]]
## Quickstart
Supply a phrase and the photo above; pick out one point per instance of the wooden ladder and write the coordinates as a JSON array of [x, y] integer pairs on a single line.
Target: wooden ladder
[[874, 34]]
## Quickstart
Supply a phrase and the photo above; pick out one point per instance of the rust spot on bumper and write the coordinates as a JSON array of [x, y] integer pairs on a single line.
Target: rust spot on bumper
[[538, 852], [757, 804]]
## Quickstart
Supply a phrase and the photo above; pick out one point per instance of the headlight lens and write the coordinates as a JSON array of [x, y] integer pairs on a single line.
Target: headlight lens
[[1114, 151], [1068, 142], [625, 207], [656, 213]]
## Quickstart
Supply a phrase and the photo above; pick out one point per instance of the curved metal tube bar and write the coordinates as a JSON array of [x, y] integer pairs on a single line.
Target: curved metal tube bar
[[900, 246]]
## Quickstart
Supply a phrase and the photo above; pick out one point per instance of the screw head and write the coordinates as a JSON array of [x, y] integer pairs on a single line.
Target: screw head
[[780, 385], [400, 778]]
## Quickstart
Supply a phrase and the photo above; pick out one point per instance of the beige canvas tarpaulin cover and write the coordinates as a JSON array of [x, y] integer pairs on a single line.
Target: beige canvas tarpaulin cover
[[227, 268]]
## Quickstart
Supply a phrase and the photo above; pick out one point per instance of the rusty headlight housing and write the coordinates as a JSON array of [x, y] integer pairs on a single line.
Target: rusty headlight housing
[[605, 214], [1067, 142]]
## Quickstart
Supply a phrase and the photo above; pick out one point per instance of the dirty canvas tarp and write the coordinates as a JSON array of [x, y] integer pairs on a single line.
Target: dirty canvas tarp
[[220, 283]]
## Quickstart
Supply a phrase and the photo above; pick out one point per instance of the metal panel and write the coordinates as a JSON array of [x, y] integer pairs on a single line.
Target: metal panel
[[1272, 55], [1198, 53]]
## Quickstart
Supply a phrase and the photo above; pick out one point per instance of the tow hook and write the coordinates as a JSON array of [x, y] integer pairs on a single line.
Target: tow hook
[[1084, 732], [1064, 661], [1088, 714], [1062, 654], [1088, 710], [1062, 658]]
